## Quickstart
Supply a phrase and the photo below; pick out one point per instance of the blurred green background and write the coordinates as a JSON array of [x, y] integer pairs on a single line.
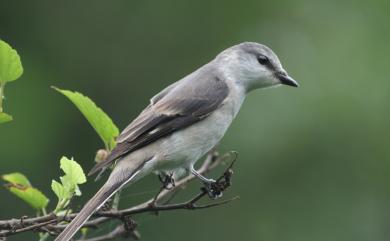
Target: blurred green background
[[314, 162]]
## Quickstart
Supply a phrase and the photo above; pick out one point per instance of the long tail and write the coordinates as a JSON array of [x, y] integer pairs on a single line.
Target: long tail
[[109, 188]]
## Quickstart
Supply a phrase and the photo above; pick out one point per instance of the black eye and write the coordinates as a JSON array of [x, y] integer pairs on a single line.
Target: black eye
[[262, 59]]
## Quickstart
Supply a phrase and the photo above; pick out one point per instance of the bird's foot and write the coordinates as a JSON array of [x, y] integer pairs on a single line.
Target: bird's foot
[[167, 181], [213, 189]]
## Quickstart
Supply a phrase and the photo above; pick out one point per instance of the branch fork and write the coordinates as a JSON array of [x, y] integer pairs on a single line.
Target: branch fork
[[52, 224]]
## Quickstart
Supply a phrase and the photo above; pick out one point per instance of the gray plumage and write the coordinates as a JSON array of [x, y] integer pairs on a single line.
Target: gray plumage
[[179, 105], [184, 121]]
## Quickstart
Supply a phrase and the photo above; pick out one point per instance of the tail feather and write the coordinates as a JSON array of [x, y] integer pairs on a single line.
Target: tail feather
[[92, 206], [87, 211], [119, 177]]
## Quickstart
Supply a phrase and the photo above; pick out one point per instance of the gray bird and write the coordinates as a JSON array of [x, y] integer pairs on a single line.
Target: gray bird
[[185, 121]]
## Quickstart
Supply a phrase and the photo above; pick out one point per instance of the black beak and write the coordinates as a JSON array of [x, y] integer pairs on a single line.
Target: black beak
[[286, 80]]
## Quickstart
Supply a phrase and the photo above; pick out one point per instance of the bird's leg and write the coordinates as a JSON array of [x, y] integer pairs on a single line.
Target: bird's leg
[[210, 185], [167, 180], [202, 178]]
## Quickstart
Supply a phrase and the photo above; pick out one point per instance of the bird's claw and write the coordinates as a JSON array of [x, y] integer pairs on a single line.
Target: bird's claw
[[167, 181], [213, 189]]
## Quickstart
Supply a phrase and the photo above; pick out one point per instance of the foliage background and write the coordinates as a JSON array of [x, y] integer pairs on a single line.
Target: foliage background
[[314, 162]]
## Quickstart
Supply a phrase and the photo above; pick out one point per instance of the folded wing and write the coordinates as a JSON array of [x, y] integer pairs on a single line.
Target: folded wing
[[178, 106]]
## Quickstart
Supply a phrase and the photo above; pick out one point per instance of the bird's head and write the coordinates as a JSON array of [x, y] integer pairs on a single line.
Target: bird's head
[[253, 66]]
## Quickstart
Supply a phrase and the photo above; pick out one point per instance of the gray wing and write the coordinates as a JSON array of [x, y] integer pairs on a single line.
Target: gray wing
[[176, 107]]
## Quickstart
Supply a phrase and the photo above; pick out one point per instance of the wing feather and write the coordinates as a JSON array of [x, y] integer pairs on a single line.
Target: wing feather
[[179, 105]]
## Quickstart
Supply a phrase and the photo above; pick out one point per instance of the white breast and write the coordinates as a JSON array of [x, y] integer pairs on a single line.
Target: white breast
[[185, 147]]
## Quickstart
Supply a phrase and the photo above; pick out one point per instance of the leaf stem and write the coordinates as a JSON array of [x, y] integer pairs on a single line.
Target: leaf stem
[[44, 211], [115, 203], [61, 205], [1, 96]]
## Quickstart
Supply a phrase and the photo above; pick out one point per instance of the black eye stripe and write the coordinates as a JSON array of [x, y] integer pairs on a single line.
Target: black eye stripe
[[263, 59]]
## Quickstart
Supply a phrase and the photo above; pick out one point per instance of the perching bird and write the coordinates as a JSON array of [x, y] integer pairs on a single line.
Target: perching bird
[[185, 121]]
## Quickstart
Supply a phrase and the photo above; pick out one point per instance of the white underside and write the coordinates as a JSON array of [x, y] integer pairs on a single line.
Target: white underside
[[179, 151]]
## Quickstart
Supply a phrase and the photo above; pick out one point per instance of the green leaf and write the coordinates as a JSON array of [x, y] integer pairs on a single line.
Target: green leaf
[[16, 178], [68, 187], [99, 120], [58, 189], [5, 117], [30, 195], [19, 185], [71, 188], [74, 172], [10, 65]]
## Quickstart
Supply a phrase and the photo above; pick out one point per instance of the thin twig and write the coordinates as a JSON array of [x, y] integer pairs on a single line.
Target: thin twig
[[118, 232], [29, 228], [53, 224]]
